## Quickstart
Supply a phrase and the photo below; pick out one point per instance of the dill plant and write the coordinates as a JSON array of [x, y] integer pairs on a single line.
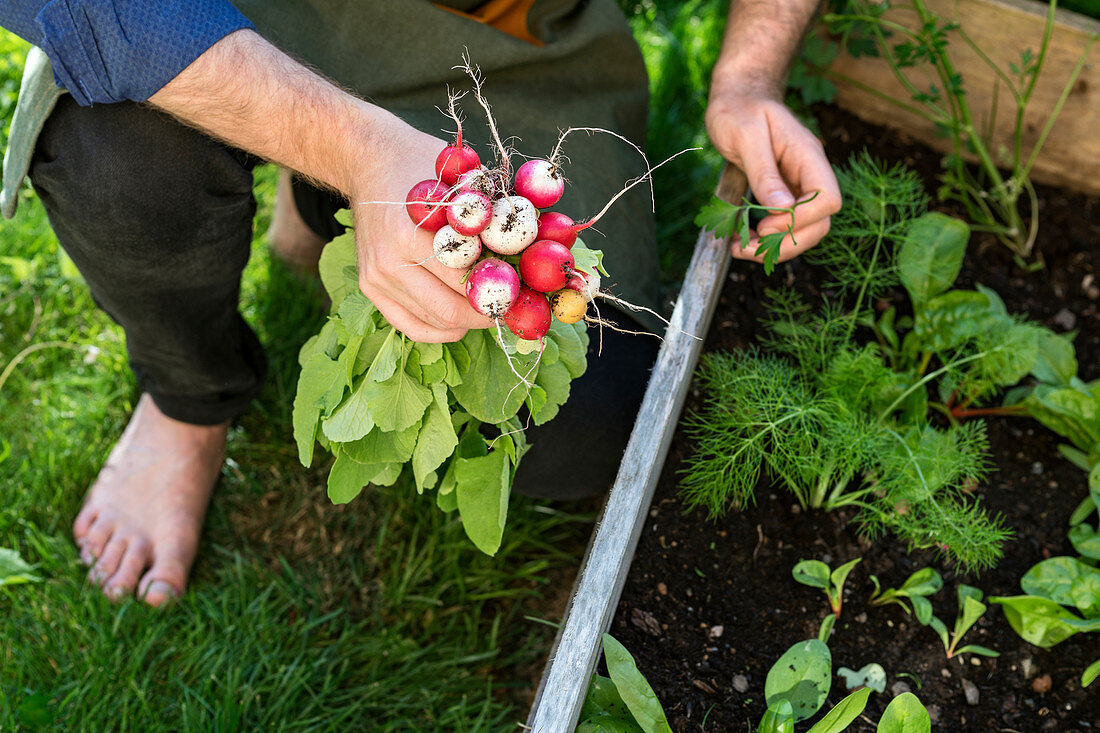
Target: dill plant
[[835, 404]]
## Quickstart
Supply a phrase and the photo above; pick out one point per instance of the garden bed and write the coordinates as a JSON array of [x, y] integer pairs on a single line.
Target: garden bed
[[1003, 29], [710, 605]]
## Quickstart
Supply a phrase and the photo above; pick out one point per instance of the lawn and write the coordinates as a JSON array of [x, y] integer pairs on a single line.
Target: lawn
[[377, 615]]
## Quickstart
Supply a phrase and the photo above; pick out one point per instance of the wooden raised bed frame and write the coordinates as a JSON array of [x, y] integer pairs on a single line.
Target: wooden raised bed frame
[[603, 570], [1070, 157]]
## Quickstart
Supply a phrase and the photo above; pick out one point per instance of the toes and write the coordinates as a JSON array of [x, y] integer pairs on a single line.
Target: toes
[[95, 541], [83, 523], [125, 579], [164, 582], [106, 563]]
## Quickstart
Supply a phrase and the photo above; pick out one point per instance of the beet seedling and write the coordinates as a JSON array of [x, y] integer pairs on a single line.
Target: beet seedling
[[815, 574]]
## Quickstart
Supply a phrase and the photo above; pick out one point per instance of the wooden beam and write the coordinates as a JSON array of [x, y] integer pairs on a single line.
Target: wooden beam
[[596, 593], [1003, 29]]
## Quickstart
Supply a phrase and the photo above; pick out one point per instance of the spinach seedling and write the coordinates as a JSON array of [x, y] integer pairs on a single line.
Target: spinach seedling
[[916, 588], [816, 574], [971, 609]]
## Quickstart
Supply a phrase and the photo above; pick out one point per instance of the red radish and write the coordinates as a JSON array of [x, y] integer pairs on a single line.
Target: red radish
[[546, 266], [586, 284], [558, 227], [424, 214], [455, 160], [469, 212], [454, 249], [529, 316], [541, 182], [513, 226], [568, 306], [492, 287]]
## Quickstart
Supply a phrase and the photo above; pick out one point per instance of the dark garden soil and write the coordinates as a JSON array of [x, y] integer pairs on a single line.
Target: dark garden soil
[[710, 605]]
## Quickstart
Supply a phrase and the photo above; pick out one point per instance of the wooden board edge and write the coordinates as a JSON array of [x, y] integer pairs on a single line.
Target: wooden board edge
[[599, 584]]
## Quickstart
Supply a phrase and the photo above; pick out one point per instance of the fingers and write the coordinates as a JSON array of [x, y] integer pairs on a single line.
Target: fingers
[[804, 238]]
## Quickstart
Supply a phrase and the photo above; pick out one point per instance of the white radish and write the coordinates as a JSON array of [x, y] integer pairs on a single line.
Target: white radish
[[469, 212], [514, 225], [492, 287], [454, 249]]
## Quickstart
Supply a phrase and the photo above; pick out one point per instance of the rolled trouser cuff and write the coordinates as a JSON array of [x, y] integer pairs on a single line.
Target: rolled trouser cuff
[[158, 218]]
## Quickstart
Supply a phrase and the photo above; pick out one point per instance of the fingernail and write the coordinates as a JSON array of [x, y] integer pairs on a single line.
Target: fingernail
[[780, 198]]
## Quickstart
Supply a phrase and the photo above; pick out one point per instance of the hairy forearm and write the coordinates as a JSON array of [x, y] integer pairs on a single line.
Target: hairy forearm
[[247, 93], [761, 38]]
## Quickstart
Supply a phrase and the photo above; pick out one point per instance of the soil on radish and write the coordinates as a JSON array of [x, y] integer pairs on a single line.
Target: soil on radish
[[710, 605]]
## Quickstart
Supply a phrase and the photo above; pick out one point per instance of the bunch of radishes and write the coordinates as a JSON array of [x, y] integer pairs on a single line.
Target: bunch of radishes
[[472, 209]]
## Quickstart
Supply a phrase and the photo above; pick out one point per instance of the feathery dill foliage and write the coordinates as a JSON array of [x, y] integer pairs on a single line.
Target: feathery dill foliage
[[879, 205], [845, 423]]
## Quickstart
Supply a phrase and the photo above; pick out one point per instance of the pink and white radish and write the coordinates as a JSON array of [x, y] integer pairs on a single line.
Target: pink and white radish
[[529, 316], [454, 249], [587, 284], [421, 207], [492, 287], [541, 182], [514, 225], [546, 266], [558, 227], [479, 180], [469, 212]]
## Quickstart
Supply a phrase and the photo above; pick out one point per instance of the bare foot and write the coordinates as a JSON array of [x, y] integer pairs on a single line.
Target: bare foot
[[140, 525], [290, 238]]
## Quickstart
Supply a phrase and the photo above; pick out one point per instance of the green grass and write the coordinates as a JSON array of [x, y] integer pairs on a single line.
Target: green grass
[[379, 615], [301, 616]]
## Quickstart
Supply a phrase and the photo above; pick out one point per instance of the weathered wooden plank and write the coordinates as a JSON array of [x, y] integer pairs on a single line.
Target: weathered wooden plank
[[596, 593], [1002, 29]]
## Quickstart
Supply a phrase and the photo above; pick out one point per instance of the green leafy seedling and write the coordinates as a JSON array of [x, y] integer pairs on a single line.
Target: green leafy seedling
[[843, 713], [802, 676], [871, 676], [816, 574], [779, 718], [971, 609], [633, 691], [905, 714], [1091, 673], [917, 588]]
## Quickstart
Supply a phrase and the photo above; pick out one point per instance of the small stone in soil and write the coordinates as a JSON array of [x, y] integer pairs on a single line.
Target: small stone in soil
[[716, 631], [662, 589], [1025, 667], [1042, 684], [945, 672], [971, 692], [899, 688], [1065, 318], [740, 683]]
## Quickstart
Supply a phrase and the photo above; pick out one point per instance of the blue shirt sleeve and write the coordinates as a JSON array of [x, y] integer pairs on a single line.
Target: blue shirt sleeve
[[113, 50]]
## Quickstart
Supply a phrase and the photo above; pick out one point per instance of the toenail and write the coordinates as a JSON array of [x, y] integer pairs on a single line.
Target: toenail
[[115, 592], [163, 588], [87, 557]]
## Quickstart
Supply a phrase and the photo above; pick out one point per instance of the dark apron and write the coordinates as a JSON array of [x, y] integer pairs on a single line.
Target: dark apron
[[587, 72]]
